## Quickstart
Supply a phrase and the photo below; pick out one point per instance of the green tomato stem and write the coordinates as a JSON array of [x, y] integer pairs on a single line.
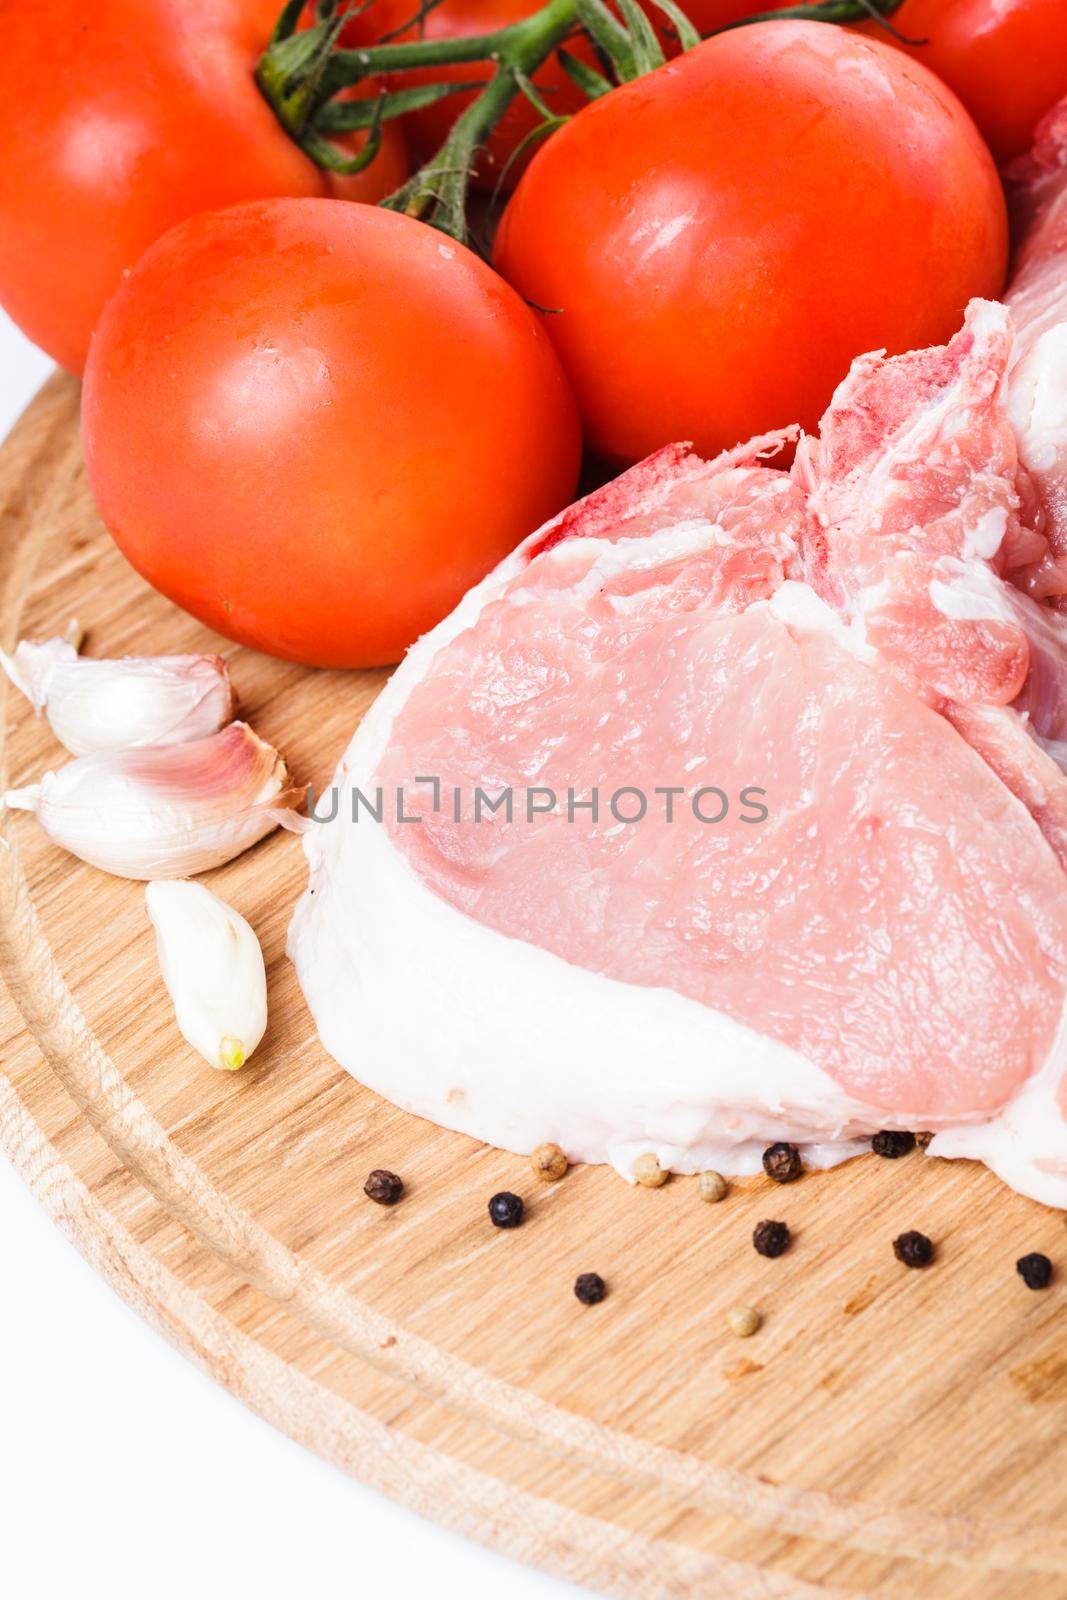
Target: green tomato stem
[[302, 70], [438, 192]]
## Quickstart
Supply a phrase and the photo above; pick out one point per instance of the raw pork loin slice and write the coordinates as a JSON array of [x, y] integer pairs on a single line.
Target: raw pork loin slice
[[1037, 295], [874, 935]]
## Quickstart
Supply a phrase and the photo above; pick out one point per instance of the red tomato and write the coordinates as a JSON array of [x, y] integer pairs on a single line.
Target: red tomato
[[716, 241], [315, 424], [142, 112], [461, 19], [1006, 59]]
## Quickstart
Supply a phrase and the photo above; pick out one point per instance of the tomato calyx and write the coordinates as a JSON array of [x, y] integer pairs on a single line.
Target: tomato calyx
[[438, 192], [304, 71], [292, 67]]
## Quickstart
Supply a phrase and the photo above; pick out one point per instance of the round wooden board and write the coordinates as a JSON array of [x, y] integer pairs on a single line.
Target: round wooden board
[[887, 1432]]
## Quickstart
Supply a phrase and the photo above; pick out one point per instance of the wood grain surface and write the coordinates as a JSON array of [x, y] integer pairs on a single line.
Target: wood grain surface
[[886, 1433]]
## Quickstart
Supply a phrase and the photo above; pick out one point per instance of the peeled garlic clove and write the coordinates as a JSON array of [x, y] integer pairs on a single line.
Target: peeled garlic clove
[[169, 811], [132, 701], [212, 966], [33, 666]]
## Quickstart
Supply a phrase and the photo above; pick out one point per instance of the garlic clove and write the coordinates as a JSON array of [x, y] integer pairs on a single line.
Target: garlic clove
[[212, 965], [168, 811], [95, 704], [34, 665]]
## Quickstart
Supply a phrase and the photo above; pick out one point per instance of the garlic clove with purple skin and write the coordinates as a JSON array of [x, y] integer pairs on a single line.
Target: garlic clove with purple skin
[[98, 704], [212, 965], [169, 811]]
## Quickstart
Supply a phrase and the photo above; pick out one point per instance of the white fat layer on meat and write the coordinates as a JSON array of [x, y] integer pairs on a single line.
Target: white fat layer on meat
[[797, 604], [1037, 400], [1025, 1144], [538, 1049], [969, 591], [598, 561], [987, 535]]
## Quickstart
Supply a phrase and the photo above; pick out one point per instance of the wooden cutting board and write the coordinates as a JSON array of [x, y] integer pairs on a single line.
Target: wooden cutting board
[[886, 1433]]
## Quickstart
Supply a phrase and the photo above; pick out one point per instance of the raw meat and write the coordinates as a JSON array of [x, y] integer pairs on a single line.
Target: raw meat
[[896, 918], [913, 513], [1037, 296], [916, 533], [887, 948], [824, 713]]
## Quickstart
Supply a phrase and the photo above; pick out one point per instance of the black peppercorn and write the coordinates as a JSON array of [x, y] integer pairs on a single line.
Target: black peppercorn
[[383, 1187], [505, 1209], [1035, 1270], [891, 1145], [782, 1162], [914, 1249], [590, 1288], [771, 1238]]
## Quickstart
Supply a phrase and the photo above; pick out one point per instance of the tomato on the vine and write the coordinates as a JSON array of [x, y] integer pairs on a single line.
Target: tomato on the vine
[[315, 425], [1006, 59], [713, 243], [461, 19], [122, 119]]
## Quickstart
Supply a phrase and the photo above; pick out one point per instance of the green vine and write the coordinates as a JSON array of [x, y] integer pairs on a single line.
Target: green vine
[[304, 70]]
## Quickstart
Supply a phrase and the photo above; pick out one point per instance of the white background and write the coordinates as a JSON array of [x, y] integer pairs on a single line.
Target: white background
[[125, 1473]]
